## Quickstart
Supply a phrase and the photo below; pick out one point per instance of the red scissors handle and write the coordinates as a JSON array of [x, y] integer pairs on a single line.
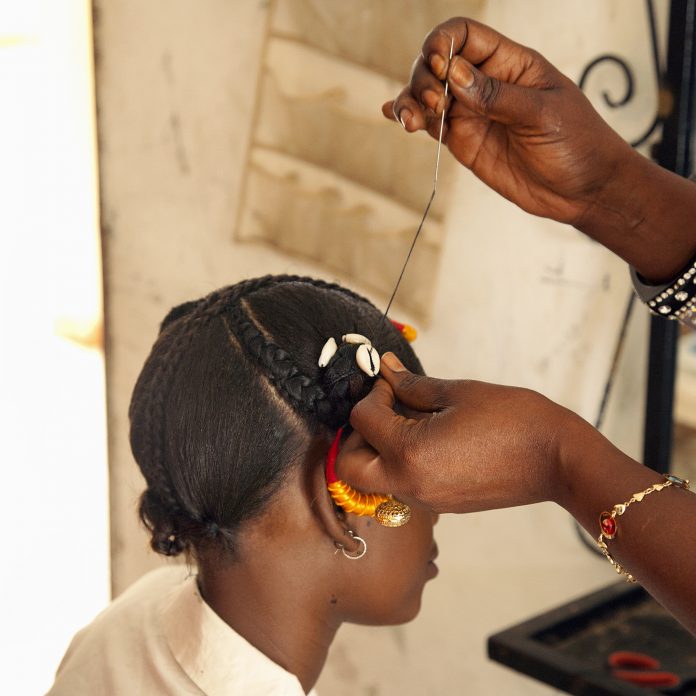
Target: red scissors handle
[[640, 669], [656, 679], [632, 660]]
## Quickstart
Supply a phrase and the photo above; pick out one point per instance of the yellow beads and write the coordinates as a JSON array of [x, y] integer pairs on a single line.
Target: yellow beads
[[409, 333], [350, 500]]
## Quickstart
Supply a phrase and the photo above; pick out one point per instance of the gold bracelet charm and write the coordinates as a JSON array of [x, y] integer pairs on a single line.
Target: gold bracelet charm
[[609, 526]]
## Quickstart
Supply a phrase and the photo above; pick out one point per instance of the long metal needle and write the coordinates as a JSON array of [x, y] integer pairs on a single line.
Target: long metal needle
[[432, 194]]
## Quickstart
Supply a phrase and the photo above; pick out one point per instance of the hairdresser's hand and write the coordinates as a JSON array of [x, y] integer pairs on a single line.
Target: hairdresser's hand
[[477, 446], [529, 133], [474, 446], [520, 125]]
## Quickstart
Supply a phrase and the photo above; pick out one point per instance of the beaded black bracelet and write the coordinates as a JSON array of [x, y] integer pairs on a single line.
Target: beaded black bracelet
[[675, 299]]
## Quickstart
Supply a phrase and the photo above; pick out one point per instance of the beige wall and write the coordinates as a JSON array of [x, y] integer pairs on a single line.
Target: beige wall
[[515, 300]]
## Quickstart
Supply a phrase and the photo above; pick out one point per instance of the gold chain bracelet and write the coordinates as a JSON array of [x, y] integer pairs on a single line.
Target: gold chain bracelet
[[609, 526]]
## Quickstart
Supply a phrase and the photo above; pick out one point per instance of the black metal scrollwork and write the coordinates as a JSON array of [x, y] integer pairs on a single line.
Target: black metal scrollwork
[[610, 58]]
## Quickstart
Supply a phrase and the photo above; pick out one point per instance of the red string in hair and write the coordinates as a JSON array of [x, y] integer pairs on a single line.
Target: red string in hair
[[331, 458], [406, 330]]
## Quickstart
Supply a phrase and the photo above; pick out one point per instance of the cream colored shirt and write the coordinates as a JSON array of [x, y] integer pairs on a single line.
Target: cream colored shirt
[[160, 637]]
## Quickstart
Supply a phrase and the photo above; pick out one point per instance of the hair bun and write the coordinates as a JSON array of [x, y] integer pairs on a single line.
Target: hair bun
[[167, 544], [159, 519], [344, 384]]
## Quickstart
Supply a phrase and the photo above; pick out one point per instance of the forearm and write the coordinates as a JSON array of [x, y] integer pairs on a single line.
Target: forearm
[[656, 538], [646, 215]]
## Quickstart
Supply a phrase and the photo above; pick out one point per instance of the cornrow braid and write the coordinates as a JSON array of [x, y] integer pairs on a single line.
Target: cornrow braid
[[160, 508], [303, 393]]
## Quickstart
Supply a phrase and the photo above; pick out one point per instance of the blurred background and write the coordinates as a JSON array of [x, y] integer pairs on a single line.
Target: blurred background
[[151, 152]]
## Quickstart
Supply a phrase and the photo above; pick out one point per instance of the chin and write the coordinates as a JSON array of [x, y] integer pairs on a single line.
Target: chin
[[391, 607], [403, 613], [391, 615], [408, 616]]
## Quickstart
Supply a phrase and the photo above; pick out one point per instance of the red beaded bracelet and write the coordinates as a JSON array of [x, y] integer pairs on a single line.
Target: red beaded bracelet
[[609, 526]]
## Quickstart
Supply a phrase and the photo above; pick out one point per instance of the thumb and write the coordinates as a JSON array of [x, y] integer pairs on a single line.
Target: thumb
[[500, 101], [375, 419], [418, 392], [361, 466]]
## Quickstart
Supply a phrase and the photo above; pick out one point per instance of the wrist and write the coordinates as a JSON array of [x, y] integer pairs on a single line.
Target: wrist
[[644, 214], [594, 475], [572, 441], [564, 439]]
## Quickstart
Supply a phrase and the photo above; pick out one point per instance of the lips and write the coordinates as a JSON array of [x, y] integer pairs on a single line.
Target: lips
[[431, 568]]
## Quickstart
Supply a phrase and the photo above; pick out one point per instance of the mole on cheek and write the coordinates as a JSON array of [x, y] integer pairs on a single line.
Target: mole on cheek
[[334, 599]]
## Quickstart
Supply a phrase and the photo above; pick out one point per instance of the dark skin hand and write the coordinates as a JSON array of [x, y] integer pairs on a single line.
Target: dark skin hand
[[529, 133], [478, 446]]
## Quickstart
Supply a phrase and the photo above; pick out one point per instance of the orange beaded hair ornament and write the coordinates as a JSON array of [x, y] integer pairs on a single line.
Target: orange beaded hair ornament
[[386, 510]]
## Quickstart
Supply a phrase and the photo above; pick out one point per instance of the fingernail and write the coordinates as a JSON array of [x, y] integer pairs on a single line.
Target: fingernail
[[404, 117], [393, 363], [433, 100], [438, 64], [461, 73]]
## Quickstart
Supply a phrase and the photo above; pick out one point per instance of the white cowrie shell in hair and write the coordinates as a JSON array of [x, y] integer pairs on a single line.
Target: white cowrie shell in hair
[[327, 352], [356, 338], [368, 360]]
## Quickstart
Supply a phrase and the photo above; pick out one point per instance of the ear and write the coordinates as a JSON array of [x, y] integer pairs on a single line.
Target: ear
[[332, 519]]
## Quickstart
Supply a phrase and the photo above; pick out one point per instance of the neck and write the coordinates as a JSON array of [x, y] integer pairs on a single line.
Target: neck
[[288, 618]]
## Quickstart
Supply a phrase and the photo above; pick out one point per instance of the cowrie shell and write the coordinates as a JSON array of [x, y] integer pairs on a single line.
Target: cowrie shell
[[356, 338], [368, 360], [327, 352]]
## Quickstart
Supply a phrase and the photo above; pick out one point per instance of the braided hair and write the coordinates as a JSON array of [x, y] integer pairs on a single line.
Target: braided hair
[[230, 394]]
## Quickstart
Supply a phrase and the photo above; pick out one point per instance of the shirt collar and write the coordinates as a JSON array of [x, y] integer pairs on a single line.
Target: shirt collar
[[216, 658]]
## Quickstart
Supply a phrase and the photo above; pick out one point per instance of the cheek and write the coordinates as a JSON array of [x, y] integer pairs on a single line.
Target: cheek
[[395, 569], [412, 543]]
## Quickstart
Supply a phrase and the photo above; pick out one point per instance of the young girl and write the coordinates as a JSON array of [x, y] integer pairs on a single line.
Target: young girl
[[232, 420]]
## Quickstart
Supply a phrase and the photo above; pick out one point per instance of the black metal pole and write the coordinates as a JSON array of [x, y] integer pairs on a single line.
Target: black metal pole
[[674, 153]]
